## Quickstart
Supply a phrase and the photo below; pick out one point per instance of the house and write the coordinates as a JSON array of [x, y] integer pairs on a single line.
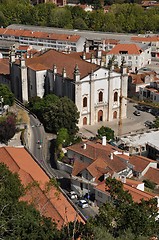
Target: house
[[150, 92], [52, 203], [153, 175], [153, 41], [140, 80], [102, 195], [43, 40], [93, 162], [140, 165], [135, 56], [94, 89]]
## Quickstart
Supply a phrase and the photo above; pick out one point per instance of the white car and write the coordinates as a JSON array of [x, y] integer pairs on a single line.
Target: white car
[[83, 203], [73, 195]]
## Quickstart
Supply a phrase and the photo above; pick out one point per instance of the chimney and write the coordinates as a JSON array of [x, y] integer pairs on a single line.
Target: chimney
[[111, 156], [123, 179], [84, 146], [104, 141]]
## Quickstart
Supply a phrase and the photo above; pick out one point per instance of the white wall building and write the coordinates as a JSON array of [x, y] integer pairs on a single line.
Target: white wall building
[[95, 90], [135, 57], [150, 92]]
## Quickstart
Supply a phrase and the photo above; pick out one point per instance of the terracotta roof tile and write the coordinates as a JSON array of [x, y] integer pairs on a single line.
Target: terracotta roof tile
[[129, 48], [137, 195], [140, 162], [146, 39], [61, 60], [51, 204], [100, 156], [78, 166], [153, 175], [4, 66], [40, 35]]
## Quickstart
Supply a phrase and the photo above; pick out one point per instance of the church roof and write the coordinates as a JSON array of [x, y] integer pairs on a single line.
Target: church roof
[[61, 60]]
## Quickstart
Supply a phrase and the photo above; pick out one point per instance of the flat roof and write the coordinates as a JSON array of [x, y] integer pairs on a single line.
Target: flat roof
[[135, 140]]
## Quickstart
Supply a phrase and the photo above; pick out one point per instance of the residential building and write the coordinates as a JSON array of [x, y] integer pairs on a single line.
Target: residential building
[[102, 195], [153, 176], [95, 161], [135, 56], [140, 80], [150, 92], [56, 2], [53, 203], [94, 89], [153, 41], [43, 40], [153, 149]]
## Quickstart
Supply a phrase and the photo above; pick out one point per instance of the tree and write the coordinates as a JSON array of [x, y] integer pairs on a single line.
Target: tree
[[122, 214], [7, 128], [156, 122], [105, 131], [8, 97], [18, 220], [56, 113]]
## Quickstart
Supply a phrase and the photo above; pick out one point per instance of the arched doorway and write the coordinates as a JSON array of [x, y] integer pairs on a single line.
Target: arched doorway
[[115, 115], [84, 121], [100, 116]]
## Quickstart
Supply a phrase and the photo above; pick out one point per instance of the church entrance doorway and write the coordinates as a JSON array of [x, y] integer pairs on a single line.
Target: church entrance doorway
[[100, 116]]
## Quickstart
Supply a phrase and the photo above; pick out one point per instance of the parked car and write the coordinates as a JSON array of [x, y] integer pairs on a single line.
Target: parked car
[[73, 195], [83, 203], [149, 124], [137, 113]]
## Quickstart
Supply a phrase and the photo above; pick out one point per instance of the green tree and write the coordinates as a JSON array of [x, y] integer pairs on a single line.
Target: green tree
[[156, 122], [105, 131], [7, 95], [18, 220], [56, 113]]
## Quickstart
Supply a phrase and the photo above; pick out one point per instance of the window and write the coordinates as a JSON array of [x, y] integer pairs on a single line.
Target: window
[[100, 96], [129, 57], [84, 102], [115, 97]]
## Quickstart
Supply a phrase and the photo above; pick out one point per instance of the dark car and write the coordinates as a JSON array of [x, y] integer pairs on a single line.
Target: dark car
[[149, 124], [137, 113]]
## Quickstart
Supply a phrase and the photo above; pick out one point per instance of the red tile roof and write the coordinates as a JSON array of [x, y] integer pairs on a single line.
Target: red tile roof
[[129, 48], [4, 66], [146, 39], [153, 175], [100, 156], [52, 203], [140, 162], [39, 34], [61, 60], [140, 78], [137, 195]]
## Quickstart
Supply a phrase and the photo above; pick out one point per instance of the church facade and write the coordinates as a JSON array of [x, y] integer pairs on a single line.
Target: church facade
[[96, 91]]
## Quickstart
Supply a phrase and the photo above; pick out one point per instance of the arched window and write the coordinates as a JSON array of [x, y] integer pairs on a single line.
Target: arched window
[[100, 96], [115, 97], [84, 121], [115, 115], [100, 115], [84, 102]]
